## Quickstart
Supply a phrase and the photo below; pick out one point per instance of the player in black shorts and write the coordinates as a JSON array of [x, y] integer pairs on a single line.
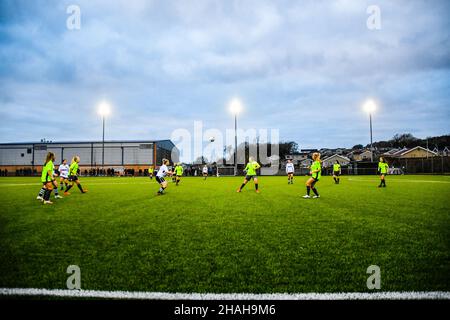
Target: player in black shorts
[[250, 174], [337, 172], [73, 178]]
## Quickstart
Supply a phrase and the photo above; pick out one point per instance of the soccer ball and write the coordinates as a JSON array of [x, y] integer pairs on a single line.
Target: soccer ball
[[211, 139]]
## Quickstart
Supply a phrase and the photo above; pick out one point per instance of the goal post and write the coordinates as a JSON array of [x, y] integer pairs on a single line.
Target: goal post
[[225, 172]]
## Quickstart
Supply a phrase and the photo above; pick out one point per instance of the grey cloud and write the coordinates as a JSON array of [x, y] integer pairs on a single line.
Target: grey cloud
[[289, 61]]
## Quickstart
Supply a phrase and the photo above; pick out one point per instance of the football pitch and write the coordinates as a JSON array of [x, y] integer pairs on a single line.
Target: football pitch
[[204, 237]]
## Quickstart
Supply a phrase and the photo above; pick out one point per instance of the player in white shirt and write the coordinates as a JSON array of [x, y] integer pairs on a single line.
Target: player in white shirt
[[205, 172], [162, 172], [63, 174], [290, 171]]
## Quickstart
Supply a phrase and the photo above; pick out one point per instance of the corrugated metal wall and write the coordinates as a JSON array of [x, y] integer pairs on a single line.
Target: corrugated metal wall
[[116, 154]]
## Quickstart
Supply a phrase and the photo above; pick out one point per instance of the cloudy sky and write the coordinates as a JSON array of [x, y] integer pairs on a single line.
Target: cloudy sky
[[303, 67]]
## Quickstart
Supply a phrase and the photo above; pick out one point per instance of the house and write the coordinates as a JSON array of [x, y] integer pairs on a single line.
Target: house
[[393, 153], [405, 153], [382, 150], [296, 158], [308, 152], [446, 152], [306, 163], [390, 152], [360, 155], [341, 151], [324, 152], [417, 152], [329, 161]]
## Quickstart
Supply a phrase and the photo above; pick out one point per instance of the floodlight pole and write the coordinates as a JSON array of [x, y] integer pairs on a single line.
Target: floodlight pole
[[235, 143], [203, 154], [371, 142], [103, 143]]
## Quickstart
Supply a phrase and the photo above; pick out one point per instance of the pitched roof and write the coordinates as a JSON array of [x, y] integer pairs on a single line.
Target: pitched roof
[[335, 156], [358, 151], [400, 152], [403, 151], [391, 152], [418, 147]]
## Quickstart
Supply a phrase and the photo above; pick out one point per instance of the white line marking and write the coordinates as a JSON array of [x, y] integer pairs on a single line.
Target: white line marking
[[398, 181], [114, 182], [412, 295], [87, 183]]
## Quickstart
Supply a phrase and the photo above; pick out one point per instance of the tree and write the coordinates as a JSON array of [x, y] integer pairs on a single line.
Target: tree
[[284, 148], [409, 141], [358, 147], [404, 140], [289, 147], [201, 160]]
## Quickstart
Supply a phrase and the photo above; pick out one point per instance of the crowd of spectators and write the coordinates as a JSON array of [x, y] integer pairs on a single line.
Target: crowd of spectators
[[196, 170], [20, 172], [189, 170]]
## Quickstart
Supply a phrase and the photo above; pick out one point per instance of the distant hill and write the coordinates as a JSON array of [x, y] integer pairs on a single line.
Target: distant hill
[[408, 140]]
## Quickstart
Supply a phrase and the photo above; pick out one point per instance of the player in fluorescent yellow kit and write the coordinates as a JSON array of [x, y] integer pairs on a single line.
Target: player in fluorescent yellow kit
[[151, 170], [178, 172], [383, 167], [47, 179], [73, 176], [250, 173], [316, 173], [55, 184], [172, 174], [337, 172]]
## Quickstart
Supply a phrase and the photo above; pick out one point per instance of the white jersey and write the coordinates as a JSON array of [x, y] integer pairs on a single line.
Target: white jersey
[[290, 168], [64, 170], [205, 169], [162, 171]]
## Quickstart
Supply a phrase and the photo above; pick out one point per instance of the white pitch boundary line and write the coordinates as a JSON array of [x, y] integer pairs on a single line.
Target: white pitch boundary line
[[89, 183], [398, 181], [411, 295], [133, 183]]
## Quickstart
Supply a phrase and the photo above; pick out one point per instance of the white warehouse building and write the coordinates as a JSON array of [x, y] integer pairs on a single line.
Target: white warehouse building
[[117, 154]]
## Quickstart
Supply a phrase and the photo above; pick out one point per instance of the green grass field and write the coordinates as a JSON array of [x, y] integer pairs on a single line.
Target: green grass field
[[202, 236]]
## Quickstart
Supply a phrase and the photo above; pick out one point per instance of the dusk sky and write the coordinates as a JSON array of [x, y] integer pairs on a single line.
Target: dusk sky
[[303, 67]]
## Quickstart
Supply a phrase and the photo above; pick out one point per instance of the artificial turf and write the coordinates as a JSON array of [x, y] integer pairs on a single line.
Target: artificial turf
[[202, 236]]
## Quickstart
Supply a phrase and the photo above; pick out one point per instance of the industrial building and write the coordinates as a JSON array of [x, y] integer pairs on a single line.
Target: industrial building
[[120, 155]]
